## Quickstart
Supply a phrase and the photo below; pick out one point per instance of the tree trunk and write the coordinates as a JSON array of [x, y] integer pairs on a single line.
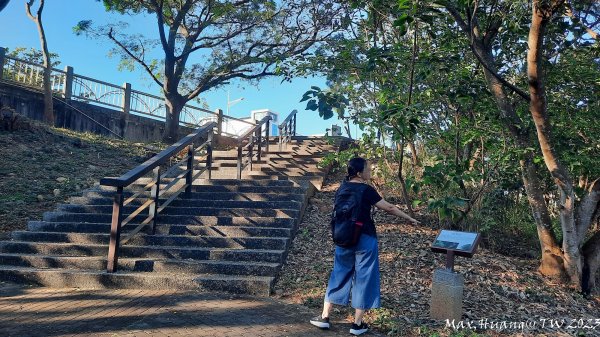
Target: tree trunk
[[413, 153], [48, 103], [591, 264], [538, 109], [404, 191], [175, 105], [551, 263]]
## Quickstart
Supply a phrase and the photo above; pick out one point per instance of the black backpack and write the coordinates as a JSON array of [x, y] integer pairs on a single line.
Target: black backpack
[[344, 228]]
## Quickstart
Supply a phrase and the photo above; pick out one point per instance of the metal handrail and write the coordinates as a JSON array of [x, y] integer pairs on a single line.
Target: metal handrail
[[111, 95], [33, 64], [254, 137], [287, 129], [97, 81], [152, 204], [292, 114], [238, 119]]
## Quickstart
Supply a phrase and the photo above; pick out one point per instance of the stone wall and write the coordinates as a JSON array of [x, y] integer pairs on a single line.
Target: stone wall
[[89, 118]]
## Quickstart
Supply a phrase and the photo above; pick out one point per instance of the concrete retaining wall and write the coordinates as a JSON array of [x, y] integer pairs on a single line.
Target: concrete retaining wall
[[30, 103]]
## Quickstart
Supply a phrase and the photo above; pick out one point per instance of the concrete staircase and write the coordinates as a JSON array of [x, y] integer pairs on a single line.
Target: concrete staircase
[[228, 235]]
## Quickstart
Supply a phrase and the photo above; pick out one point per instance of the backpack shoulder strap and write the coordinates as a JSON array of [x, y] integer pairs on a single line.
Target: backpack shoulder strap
[[360, 192]]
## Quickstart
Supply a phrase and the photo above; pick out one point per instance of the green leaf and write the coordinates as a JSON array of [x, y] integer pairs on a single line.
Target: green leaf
[[312, 105], [306, 96]]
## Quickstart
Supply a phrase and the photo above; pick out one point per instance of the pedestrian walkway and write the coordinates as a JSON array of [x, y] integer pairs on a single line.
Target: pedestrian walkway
[[68, 312]]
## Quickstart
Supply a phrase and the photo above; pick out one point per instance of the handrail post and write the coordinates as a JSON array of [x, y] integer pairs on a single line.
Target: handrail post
[[268, 133], [251, 153], [288, 132], [115, 231], [154, 193], [259, 143], [294, 127], [190, 170], [280, 137], [209, 154], [68, 88], [219, 121], [239, 163], [2, 57]]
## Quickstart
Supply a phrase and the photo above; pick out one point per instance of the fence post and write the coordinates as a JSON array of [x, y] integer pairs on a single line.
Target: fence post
[[115, 231], [68, 88], [126, 97], [219, 121], [2, 57], [126, 106]]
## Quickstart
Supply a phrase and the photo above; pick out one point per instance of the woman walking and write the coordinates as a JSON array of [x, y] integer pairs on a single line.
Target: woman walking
[[356, 268]]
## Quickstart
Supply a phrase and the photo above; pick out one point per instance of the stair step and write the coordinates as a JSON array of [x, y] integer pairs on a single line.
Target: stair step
[[284, 174], [255, 285], [165, 229], [171, 219], [172, 210], [132, 251], [192, 202], [279, 190], [291, 168], [276, 243], [226, 235], [250, 189], [235, 182], [211, 182], [98, 263]]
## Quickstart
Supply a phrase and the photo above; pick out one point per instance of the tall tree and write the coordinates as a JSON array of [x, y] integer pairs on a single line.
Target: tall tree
[[208, 43], [575, 219], [489, 37], [48, 103]]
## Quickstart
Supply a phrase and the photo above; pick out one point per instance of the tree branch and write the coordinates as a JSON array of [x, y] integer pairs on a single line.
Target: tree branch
[[467, 29], [575, 19], [137, 59]]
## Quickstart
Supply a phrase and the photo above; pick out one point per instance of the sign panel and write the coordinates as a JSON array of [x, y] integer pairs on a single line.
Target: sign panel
[[462, 243]]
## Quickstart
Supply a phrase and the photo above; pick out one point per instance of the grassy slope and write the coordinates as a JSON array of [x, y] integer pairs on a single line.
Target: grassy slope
[[497, 287], [32, 160]]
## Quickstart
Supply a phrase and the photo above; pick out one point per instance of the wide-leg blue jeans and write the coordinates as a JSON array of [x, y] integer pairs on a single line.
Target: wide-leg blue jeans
[[356, 270]]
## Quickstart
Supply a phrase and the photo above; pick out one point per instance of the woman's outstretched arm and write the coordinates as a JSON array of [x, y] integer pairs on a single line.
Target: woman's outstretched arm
[[392, 209]]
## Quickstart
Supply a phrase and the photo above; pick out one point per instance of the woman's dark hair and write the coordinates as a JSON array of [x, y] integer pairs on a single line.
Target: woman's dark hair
[[356, 165]]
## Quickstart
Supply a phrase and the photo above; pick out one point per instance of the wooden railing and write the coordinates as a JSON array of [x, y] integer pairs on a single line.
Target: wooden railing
[[154, 201], [287, 129], [253, 138]]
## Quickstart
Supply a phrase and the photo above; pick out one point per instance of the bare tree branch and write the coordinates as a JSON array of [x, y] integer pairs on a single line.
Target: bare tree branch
[[137, 59]]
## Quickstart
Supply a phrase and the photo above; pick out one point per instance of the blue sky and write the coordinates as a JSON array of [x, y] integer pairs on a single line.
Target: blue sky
[[90, 58]]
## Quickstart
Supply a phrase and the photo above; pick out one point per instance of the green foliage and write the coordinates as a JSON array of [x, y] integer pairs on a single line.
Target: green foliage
[[326, 102], [32, 55]]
